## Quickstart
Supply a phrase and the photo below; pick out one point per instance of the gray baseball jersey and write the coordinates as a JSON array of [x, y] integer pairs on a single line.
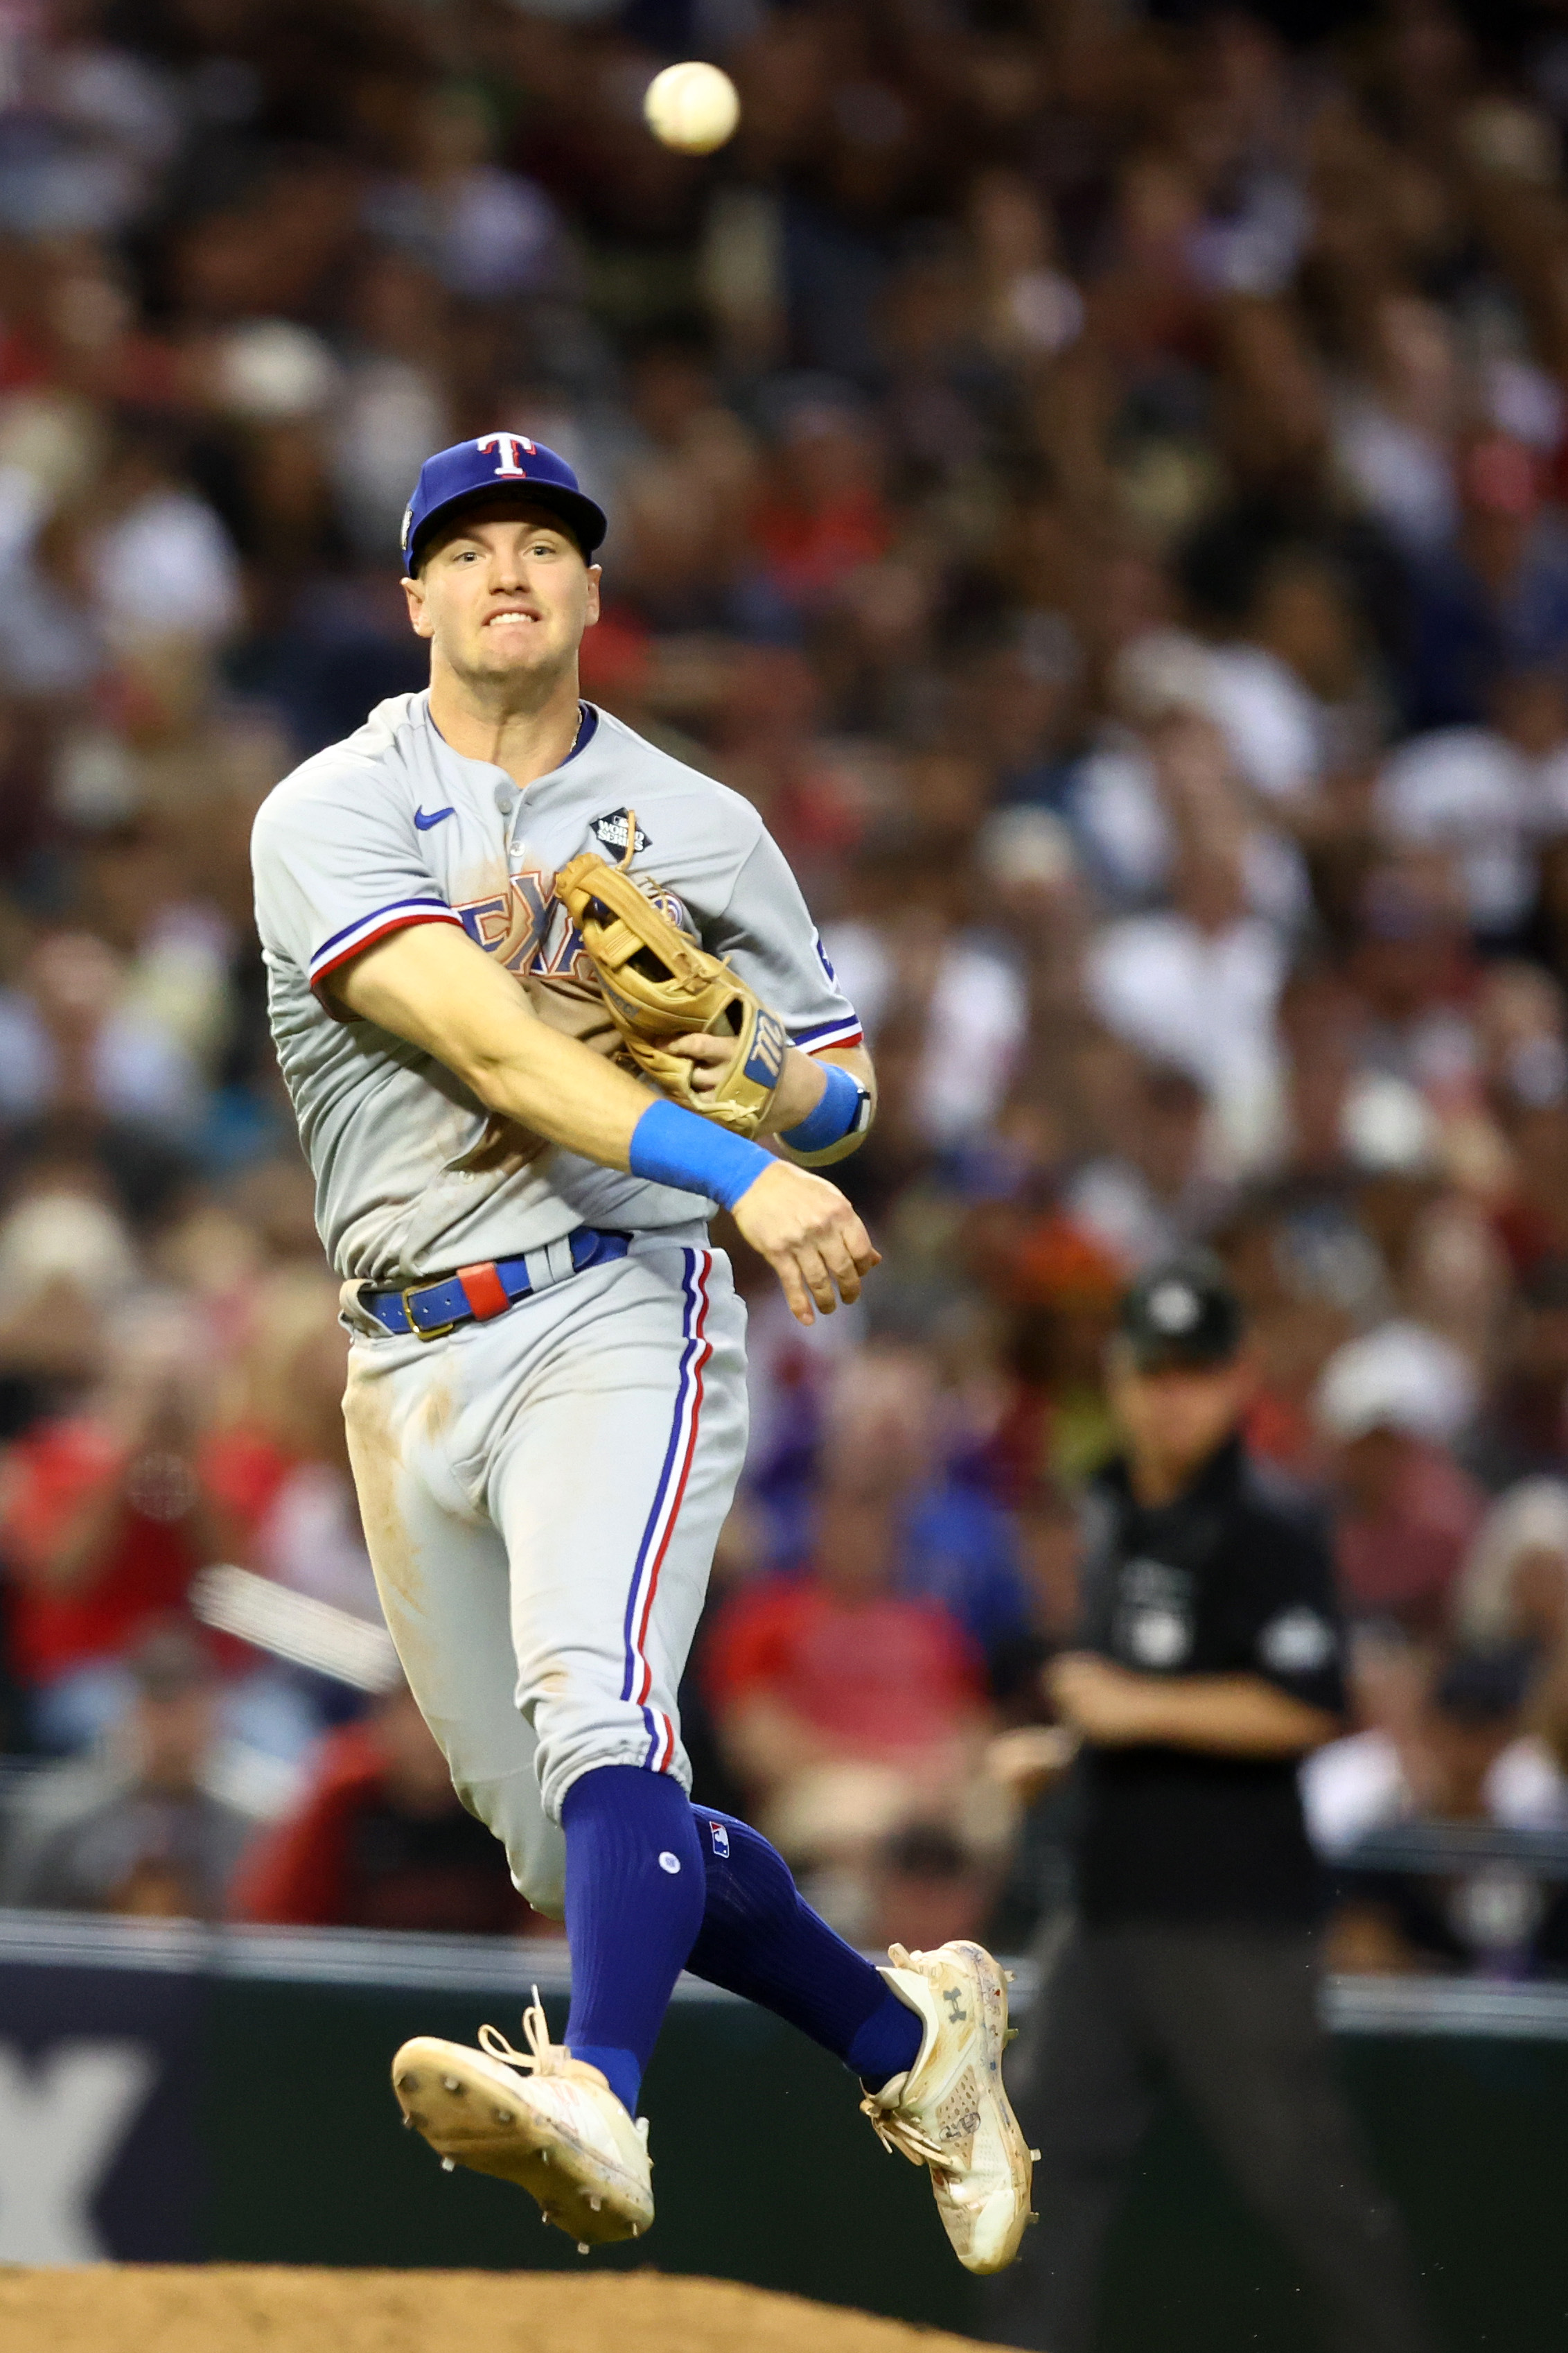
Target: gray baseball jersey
[[542, 1610], [392, 828]]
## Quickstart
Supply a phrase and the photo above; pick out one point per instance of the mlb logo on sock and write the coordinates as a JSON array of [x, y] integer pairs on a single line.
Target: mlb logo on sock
[[720, 1838]]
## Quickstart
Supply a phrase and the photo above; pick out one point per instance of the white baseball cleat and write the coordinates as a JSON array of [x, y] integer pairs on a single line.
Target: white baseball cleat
[[538, 2117], [950, 2112]]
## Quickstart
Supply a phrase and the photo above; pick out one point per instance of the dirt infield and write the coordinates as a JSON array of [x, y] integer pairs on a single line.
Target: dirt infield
[[223, 2309]]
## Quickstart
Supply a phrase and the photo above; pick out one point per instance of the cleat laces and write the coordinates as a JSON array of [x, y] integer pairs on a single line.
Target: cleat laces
[[897, 2129], [541, 2057]]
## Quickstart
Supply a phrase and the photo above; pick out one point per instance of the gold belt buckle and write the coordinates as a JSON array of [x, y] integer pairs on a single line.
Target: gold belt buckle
[[436, 1331]]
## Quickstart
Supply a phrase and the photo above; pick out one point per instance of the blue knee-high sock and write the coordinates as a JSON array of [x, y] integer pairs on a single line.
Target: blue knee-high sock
[[759, 1939], [634, 1904]]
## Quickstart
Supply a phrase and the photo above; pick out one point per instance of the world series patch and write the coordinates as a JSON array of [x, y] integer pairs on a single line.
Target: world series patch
[[610, 832]]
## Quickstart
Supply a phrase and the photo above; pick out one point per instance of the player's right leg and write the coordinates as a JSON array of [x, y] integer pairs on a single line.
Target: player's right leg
[[441, 1573], [537, 2117], [597, 1431], [610, 1468]]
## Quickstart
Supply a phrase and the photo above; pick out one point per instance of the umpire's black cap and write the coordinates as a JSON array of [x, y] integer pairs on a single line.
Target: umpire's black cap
[[1179, 1311]]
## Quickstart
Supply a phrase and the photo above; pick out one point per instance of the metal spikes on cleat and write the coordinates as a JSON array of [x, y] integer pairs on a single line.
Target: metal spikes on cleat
[[558, 2131]]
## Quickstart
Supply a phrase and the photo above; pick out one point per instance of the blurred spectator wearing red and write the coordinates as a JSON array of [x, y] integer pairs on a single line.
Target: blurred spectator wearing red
[[105, 1516]]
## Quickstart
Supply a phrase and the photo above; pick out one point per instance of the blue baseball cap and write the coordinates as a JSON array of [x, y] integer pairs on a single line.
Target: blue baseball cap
[[497, 461]]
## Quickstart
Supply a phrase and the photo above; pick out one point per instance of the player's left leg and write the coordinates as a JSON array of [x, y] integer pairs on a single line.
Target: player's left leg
[[925, 2036]]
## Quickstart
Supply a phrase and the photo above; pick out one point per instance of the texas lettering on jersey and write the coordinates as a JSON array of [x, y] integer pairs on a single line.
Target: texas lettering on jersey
[[530, 932]]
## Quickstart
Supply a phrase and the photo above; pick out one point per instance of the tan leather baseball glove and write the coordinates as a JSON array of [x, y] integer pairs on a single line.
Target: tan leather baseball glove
[[658, 985]]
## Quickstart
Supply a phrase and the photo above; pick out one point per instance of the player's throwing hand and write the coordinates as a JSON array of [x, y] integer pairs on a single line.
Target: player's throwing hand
[[810, 1235]]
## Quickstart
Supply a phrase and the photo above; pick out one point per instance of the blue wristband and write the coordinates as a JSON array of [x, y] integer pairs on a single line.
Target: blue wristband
[[672, 1146], [833, 1118]]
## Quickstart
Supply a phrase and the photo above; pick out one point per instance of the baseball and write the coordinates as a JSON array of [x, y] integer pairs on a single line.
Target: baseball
[[692, 107]]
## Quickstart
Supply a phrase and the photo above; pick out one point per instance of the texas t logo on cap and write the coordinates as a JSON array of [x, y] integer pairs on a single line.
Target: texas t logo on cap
[[509, 444]]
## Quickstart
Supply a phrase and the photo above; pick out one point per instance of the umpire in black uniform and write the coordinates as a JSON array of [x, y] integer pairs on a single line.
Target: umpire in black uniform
[[1207, 1664]]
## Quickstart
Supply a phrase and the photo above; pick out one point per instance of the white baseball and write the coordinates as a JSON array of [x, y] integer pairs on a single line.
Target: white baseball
[[692, 107]]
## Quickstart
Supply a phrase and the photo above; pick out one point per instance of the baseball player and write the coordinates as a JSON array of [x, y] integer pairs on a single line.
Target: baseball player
[[545, 1402]]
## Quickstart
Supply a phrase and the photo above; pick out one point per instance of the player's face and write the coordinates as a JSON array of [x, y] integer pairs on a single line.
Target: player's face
[[505, 594]]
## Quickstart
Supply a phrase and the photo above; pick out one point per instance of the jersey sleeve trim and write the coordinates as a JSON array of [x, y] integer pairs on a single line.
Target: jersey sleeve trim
[[355, 937], [844, 1031]]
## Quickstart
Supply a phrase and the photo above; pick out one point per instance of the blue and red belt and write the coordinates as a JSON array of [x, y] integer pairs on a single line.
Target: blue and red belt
[[475, 1294]]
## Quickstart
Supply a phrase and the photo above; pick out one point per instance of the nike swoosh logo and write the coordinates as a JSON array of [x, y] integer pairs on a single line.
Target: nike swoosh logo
[[425, 823]]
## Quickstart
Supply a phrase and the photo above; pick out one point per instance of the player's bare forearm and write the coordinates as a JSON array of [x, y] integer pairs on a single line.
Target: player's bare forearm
[[1223, 1716], [431, 985]]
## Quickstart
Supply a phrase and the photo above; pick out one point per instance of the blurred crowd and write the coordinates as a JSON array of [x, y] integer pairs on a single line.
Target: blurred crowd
[[1097, 479]]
